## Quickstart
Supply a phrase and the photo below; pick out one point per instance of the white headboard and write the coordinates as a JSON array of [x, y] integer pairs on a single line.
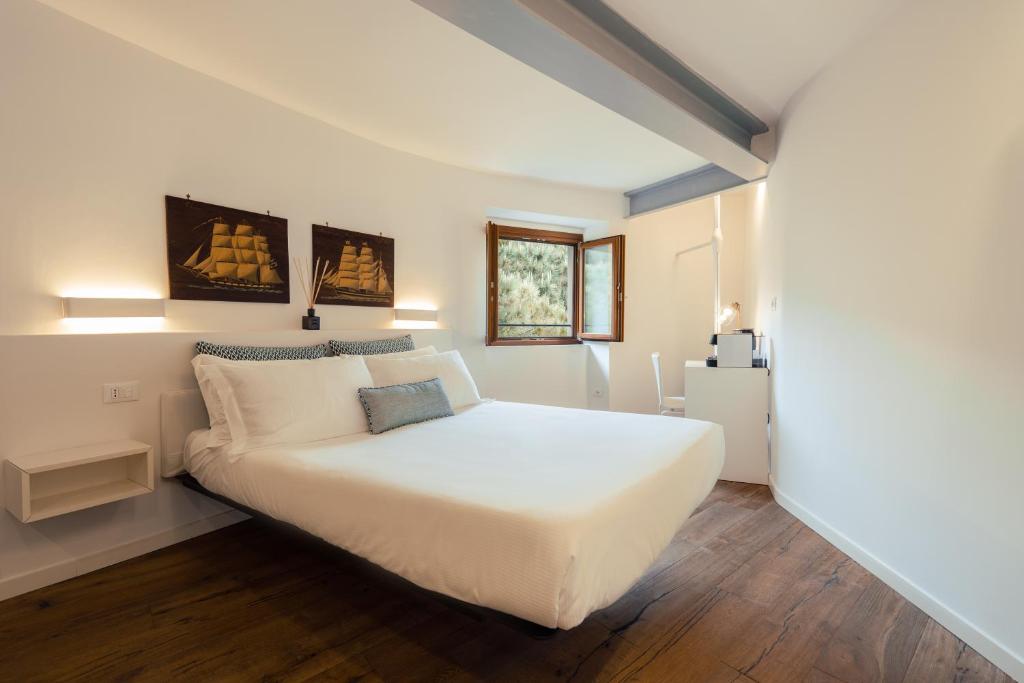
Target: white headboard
[[181, 412], [62, 375]]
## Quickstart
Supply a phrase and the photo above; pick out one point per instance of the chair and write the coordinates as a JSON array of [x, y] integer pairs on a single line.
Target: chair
[[667, 405]]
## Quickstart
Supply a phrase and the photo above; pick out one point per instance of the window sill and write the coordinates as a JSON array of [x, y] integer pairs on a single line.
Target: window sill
[[548, 341]]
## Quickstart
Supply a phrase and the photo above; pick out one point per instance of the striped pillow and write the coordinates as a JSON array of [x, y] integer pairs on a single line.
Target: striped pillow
[[372, 347], [233, 352]]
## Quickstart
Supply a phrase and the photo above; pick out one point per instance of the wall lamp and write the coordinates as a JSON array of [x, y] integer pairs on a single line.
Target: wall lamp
[[415, 314], [75, 307]]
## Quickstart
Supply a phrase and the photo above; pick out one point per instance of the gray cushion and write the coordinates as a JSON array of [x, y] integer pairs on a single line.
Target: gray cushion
[[403, 404], [373, 346], [232, 352]]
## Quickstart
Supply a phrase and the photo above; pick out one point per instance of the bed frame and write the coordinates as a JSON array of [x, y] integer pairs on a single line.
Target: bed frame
[[377, 572]]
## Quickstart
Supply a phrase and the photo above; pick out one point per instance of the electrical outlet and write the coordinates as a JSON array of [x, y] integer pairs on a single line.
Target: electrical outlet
[[775, 303], [119, 392]]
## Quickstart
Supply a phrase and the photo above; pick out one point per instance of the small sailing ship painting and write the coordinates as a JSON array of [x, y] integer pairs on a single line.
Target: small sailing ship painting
[[362, 267], [219, 254]]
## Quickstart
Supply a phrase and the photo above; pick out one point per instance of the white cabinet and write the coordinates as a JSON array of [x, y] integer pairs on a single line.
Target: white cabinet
[[737, 399], [44, 485]]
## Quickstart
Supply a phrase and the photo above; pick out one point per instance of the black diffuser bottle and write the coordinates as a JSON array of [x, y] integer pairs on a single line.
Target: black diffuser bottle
[[311, 321]]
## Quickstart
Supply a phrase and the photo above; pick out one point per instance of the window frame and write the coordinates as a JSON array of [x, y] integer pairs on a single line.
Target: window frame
[[618, 245], [495, 233]]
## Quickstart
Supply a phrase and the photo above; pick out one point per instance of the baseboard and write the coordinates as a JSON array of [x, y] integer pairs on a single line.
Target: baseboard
[[11, 586], [990, 648]]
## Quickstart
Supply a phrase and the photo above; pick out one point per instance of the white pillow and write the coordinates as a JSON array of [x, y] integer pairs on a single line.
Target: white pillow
[[290, 401], [448, 367], [219, 432], [374, 359]]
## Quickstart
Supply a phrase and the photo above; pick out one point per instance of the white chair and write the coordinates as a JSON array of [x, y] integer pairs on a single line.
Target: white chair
[[667, 405]]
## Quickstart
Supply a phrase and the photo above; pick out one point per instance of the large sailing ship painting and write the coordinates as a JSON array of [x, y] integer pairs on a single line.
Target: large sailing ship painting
[[361, 267], [219, 254]]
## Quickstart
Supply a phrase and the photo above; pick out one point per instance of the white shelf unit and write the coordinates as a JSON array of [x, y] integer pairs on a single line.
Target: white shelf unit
[[43, 485]]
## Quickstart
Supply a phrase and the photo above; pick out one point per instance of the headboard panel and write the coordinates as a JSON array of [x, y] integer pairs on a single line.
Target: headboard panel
[[181, 412], [62, 375]]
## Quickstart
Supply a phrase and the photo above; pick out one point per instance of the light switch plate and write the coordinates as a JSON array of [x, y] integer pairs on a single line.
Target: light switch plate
[[120, 392]]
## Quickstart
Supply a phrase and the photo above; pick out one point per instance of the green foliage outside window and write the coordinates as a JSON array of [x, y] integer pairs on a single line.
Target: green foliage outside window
[[534, 289]]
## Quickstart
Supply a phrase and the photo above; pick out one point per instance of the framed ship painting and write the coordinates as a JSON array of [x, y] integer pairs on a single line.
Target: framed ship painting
[[219, 254], [361, 267]]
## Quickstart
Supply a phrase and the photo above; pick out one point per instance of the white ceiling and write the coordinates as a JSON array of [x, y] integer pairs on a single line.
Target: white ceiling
[[395, 73], [759, 52]]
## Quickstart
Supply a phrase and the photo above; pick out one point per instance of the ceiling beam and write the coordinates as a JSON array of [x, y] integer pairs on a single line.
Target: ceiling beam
[[701, 97], [700, 182], [583, 46]]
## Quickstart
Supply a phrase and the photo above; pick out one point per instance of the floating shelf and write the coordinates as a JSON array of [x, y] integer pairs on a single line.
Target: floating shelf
[[45, 485]]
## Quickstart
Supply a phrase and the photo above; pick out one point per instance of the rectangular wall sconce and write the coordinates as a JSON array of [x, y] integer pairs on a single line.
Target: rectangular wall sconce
[[73, 307], [408, 314]]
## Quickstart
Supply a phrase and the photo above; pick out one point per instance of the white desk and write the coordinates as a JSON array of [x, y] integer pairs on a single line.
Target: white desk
[[737, 399]]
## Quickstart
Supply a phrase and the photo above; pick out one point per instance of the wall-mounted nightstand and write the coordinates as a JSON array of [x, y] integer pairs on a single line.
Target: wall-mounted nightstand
[[43, 485]]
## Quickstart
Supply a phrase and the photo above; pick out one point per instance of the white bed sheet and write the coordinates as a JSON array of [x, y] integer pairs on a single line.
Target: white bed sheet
[[545, 513]]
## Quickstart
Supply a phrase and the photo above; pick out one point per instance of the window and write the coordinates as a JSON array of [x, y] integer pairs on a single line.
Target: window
[[601, 289], [539, 291]]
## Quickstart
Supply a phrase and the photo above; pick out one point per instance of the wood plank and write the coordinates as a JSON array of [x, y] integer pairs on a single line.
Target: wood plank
[[354, 669], [493, 652], [804, 618], [682, 667], [877, 639], [819, 676], [778, 642], [662, 657], [744, 592], [767, 575], [425, 652], [941, 656]]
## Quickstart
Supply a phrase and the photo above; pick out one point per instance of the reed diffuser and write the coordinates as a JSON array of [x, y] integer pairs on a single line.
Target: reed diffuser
[[311, 285]]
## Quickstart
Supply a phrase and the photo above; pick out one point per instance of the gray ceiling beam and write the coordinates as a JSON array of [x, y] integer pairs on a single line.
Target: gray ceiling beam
[[582, 52], [705, 100], [700, 182]]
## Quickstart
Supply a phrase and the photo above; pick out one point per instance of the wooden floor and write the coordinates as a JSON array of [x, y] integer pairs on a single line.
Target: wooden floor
[[744, 593]]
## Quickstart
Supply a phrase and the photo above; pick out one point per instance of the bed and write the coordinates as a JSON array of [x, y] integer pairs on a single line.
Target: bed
[[543, 513]]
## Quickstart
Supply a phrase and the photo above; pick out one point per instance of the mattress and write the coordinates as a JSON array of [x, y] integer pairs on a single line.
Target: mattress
[[544, 513]]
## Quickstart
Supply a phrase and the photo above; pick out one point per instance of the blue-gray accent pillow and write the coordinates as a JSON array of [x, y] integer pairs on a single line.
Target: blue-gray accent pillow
[[404, 404], [232, 352], [373, 346]]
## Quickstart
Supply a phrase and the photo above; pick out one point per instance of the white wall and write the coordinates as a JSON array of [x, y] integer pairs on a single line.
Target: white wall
[[670, 298], [893, 241], [94, 132]]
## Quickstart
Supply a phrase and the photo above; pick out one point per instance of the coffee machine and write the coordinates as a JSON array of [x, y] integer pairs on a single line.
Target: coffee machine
[[737, 349]]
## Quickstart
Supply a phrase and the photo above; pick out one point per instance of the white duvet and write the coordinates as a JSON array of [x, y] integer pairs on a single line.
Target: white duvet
[[544, 513]]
